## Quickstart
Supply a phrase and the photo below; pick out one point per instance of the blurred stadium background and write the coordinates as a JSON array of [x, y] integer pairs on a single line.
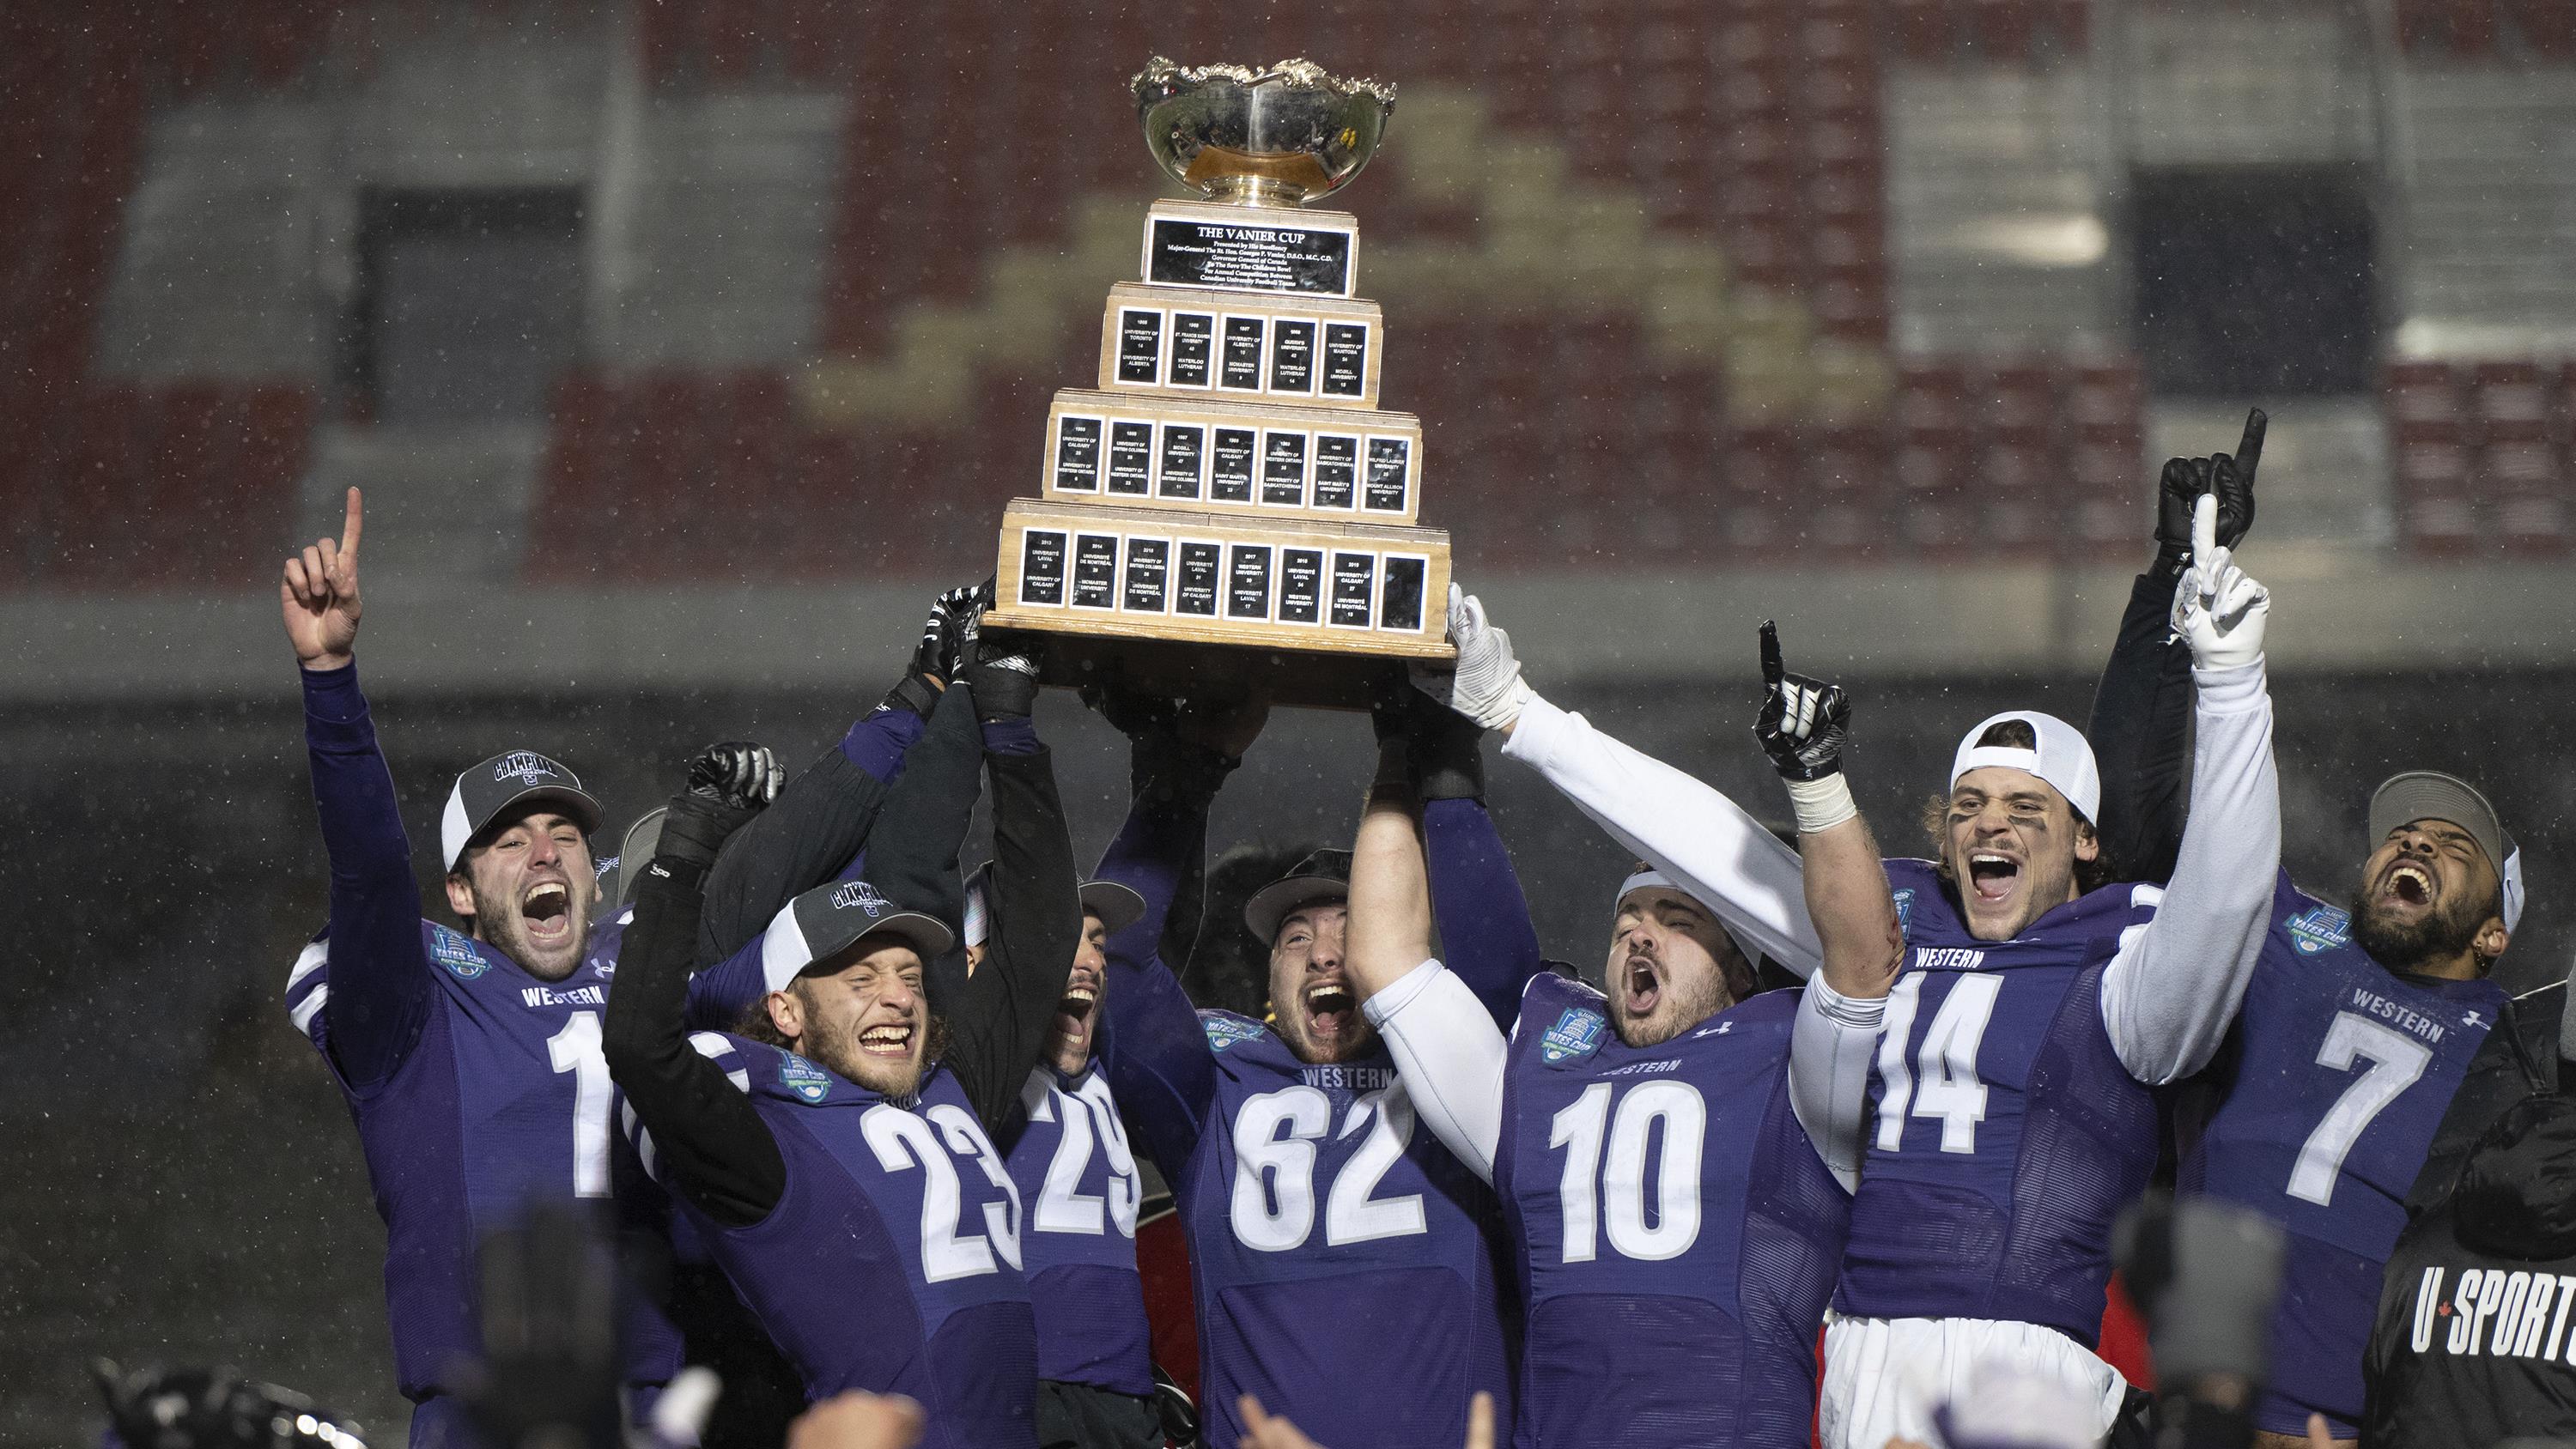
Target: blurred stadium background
[[685, 348]]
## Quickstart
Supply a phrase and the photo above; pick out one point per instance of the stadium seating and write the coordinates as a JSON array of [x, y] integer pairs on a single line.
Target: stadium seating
[[2481, 456]]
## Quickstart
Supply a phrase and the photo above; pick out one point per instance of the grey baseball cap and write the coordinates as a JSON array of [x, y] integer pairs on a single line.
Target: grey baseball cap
[[1324, 875], [830, 918], [486, 791], [2432, 795]]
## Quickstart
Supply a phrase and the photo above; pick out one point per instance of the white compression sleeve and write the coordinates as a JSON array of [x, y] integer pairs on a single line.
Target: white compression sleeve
[[1451, 1056], [1678, 825], [1830, 1048], [2170, 993]]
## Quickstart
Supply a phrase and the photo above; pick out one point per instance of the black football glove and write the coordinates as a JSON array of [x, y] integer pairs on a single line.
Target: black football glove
[[1804, 722], [736, 773], [2231, 477]]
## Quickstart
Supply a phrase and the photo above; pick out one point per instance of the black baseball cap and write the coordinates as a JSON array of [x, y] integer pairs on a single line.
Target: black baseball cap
[[1324, 875], [828, 918], [486, 791]]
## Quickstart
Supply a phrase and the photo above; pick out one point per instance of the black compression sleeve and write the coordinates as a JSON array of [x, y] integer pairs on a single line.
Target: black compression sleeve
[[796, 844], [1001, 1024], [912, 851], [2141, 735], [709, 1139]]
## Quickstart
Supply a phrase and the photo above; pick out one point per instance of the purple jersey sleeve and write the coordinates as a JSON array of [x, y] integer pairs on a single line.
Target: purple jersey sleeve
[[1485, 931], [1152, 1048], [380, 991]]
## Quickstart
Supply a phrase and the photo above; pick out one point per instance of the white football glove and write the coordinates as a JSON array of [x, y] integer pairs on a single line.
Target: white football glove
[[2217, 609], [1485, 684]]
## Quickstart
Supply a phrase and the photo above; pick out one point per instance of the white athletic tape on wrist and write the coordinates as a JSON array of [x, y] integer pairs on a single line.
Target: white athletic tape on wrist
[[1821, 804]]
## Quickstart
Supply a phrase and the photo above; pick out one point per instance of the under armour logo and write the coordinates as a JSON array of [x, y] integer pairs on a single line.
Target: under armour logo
[[862, 895], [1721, 1029], [2476, 1019], [528, 765]]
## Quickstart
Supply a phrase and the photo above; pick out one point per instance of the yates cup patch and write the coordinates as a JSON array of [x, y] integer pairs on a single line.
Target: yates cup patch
[[809, 1082], [1225, 1031], [456, 953], [1577, 1033], [1905, 912], [2320, 928]]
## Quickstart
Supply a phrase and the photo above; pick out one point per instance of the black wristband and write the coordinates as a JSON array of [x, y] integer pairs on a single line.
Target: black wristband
[[912, 692]]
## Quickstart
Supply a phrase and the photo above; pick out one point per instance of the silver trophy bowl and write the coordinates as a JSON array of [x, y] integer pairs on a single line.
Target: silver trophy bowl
[[1279, 136]]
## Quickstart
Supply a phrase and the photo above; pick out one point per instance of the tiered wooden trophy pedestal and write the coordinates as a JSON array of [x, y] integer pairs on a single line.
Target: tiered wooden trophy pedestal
[[1229, 512]]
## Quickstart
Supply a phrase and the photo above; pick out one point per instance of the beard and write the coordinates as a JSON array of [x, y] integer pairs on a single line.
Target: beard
[[1679, 1006], [498, 923], [837, 1047], [2446, 931]]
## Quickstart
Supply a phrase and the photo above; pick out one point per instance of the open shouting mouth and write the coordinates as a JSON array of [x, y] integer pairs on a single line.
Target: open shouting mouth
[[2407, 883], [1992, 876], [545, 913], [1641, 985], [1330, 1011]]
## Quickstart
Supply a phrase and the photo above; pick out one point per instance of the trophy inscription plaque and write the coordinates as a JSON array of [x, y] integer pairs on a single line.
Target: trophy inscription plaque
[[1230, 481]]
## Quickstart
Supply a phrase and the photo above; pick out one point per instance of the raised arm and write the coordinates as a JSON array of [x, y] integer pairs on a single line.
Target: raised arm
[[1449, 1050], [1483, 919], [2170, 992], [2141, 707], [379, 992], [709, 1142], [1000, 1024], [820, 823], [1708, 844], [1802, 727], [1151, 1043]]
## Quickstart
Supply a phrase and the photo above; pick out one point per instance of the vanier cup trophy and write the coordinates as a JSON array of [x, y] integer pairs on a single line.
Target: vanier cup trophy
[[1229, 511]]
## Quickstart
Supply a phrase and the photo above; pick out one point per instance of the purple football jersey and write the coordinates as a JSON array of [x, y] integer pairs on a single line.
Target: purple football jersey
[[1078, 1181], [503, 1100], [2333, 1082], [2004, 1133], [1678, 1234], [891, 1263], [1344, 1264]]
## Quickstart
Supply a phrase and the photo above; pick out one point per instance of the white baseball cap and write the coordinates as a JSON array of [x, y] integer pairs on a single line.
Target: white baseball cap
[[2064, 759]]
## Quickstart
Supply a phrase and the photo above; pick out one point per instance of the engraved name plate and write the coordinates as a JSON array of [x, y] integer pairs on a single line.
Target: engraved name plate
[[1042, 567], [1131, 458], [1077, 454], [1183, 464], [1193, 349], [1148, 572], [1140, 345], [1273, 256], [1231, 460], [1095, 570], [1292, 356], [1301, 585], [1200, 579], [1283, 469], [1390, 475], [1240, 366], [1354, 587], [1337, 468], [1247, 581], [1345, 359]]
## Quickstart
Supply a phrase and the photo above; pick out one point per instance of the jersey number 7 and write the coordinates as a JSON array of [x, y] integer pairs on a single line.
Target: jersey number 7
[[2396, 1062]]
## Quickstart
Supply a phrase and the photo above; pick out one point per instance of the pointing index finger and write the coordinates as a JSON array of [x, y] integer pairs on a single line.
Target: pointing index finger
[[2249, 451], [1772, 669], [2204, 530], [349, 527]]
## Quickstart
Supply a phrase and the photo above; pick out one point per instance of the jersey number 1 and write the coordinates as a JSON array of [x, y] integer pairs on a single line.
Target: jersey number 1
[[575, 1049]]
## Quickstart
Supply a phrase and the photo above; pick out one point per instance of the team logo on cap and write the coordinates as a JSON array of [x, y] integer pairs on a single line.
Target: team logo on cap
[[1905, 911], [808, 1081], [456, 953], [863, 896], [529, 766], [2320, 928], [1577, 1033]]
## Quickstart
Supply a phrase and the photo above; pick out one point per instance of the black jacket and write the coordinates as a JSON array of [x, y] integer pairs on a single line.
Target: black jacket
[[2474, 1343]]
